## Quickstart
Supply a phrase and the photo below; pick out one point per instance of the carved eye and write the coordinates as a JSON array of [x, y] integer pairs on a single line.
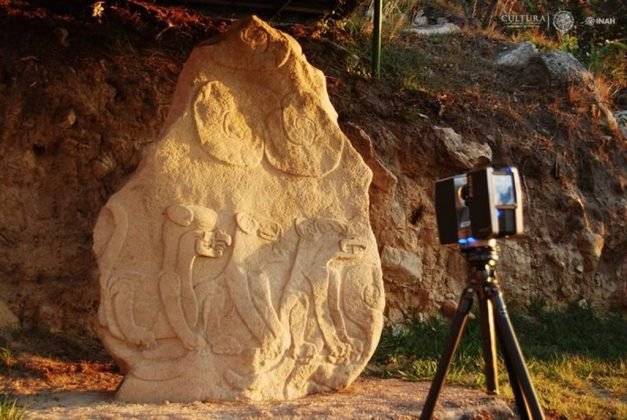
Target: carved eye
[[246, 222]]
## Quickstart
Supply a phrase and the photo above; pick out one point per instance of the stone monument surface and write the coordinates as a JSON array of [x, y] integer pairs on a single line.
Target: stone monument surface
[[238, 261]]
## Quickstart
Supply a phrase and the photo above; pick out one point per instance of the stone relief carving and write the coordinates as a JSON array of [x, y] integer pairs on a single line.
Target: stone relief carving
[[215, 111], [188, 233], [261, 49], [225, 275], [294, 130], [313, 283], [118, 288], [249, 288]]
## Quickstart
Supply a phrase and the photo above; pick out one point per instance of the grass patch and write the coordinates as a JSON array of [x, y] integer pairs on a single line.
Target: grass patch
[[576, 358], [10, 410]]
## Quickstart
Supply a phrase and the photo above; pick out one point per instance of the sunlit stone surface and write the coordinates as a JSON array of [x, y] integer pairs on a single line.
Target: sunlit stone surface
[[238, 261]]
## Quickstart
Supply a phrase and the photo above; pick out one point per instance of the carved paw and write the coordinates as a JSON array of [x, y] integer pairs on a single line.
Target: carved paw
[[358, 349], [194, 343], [340, 353], [238, 381], [303, 354], [270, 351], [227, 345], [143, 338]]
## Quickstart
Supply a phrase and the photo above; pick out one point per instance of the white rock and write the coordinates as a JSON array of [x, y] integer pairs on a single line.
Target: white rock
[[430, 30], [563, 67], [397, 259], [463, 154], [419, 18], [518, 56], [621, 119], [420, 21]]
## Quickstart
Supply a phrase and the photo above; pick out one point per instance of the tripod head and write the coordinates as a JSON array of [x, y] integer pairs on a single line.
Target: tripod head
[[481, 257]]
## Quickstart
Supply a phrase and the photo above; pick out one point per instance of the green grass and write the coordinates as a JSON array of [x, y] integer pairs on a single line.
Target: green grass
[[10, 410], [576, 357]]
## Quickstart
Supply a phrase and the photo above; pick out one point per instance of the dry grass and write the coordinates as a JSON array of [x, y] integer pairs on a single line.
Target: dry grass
[[538, 38], [36, 361], [11, 410]]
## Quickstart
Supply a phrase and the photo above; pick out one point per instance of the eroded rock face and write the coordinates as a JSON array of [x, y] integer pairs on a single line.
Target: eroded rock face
[[239, 261]]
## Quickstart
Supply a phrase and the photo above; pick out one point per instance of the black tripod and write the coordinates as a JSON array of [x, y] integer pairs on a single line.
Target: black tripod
[[495, 324]]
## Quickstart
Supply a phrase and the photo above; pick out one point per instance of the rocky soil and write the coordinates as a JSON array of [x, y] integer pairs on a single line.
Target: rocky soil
[[60, 376], [367, 398], [80, 98]]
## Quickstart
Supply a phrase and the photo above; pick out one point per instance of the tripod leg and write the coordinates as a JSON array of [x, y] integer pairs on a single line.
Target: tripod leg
[[452, 342], [512, 349], [488, 342], [519, 397]]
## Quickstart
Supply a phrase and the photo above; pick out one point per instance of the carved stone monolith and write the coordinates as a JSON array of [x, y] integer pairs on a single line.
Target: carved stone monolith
[[238, 261]]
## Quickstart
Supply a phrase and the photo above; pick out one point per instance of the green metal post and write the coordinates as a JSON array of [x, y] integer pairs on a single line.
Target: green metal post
[[376, 38]]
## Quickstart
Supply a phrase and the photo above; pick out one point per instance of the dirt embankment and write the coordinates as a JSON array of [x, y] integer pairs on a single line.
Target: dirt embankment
[[80, 99]]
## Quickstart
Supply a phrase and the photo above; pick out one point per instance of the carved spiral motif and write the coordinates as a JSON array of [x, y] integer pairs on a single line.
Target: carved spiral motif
[[234, 129], [372, 295], [299, 129], [217, 116], [260, 41], [256, 38], [294, 144]]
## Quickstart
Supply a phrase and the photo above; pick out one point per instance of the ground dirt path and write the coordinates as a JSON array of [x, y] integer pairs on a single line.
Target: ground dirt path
[[367, 398]]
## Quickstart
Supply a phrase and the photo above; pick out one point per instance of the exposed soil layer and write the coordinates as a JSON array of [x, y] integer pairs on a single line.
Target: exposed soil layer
[[80, 98]]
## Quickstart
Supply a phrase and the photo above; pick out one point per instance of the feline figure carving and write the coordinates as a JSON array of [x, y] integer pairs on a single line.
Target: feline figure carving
[[313, 282], [249, 288], [188, 232], [117, 288]]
